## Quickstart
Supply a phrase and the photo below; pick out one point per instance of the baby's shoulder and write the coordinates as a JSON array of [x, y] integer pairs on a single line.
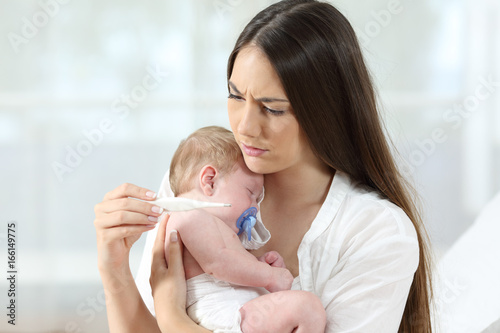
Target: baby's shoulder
[[190, 219]]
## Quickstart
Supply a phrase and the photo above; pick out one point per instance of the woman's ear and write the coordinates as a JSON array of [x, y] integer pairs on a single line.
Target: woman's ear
[[208, 177]]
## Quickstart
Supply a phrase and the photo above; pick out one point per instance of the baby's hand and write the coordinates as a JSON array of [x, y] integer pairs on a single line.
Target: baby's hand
[[282, 280], [273, 258]]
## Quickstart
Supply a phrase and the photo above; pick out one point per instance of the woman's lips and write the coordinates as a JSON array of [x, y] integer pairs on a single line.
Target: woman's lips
[[252, 151]]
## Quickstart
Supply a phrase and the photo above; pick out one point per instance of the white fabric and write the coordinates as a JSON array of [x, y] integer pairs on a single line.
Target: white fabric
[[260, 236], [358, 257], [215, 304], [467, 283]]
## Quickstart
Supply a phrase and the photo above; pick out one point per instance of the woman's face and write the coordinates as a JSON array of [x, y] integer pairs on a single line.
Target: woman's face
[[261, 116]]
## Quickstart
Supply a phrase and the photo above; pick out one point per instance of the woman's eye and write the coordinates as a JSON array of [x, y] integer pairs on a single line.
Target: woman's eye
[[274, 112], [232, 96]]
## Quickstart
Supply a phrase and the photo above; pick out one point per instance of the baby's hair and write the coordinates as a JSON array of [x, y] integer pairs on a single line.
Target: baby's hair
[[213, 145]]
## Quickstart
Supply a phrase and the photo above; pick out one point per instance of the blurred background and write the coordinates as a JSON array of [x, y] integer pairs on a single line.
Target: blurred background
[[97, 93]]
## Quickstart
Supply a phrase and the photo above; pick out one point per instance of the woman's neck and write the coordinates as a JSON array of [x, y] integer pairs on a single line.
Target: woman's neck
[[293, 198], [306, 184]]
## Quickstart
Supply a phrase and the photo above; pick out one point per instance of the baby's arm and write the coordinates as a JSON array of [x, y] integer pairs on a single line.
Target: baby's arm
[[219, 252]]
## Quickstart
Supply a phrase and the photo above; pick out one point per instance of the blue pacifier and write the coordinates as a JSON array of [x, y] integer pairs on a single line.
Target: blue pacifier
[[247, 221]]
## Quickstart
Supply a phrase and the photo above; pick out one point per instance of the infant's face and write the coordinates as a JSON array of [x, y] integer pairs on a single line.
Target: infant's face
[[242, 189]]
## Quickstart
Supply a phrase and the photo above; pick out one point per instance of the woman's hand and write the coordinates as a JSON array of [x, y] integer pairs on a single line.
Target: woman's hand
[[168, 284], [120, 221]]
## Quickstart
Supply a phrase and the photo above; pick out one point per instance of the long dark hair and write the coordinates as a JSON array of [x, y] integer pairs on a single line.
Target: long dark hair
[[316, 54]]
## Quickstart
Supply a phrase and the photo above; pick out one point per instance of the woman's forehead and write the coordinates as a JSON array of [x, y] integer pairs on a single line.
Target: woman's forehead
[[253, 73]]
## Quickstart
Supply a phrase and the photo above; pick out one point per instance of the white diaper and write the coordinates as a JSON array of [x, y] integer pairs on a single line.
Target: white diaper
[[215, 304]]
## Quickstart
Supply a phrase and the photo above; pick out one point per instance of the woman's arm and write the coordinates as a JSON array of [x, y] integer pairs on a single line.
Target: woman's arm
[[169, 285], [125, 309], [120, 221], [368, 286]]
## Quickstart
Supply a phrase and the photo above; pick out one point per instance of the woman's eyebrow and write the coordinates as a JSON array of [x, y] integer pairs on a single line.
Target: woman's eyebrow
[[232, 85], [271, 99], [262, 99]]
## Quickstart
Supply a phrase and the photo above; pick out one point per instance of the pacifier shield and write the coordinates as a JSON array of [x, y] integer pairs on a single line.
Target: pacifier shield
[[247, 221]]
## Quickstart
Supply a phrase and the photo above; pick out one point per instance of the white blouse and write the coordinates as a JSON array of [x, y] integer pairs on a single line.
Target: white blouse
[[358, 257]]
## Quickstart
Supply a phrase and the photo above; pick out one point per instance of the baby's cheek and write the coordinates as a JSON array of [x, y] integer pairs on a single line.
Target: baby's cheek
[[234, 218], [230, 219]]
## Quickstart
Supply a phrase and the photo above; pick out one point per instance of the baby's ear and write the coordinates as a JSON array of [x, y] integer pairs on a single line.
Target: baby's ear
[[208, 177]]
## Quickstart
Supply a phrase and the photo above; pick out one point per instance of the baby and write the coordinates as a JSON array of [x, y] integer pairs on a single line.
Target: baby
[[221, 275]]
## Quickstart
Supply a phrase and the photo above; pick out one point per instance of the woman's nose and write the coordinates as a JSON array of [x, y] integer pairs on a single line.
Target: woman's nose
[[249, 124]]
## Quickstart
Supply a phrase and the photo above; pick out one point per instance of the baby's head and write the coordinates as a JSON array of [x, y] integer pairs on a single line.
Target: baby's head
[[209, 166]]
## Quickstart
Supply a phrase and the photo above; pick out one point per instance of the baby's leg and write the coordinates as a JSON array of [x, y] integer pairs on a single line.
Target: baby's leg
[[284, 312]]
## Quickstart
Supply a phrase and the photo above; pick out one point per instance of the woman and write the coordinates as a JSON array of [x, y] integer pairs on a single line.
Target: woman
[[302, 107]]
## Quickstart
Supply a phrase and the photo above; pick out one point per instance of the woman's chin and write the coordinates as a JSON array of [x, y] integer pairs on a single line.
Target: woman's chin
[[259, 166], [256, 165]]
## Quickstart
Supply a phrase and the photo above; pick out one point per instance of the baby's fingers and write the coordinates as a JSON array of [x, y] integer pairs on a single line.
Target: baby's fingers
[[274, 259]]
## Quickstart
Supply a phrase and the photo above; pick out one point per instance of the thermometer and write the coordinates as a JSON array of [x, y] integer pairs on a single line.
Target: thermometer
[[175, 204]]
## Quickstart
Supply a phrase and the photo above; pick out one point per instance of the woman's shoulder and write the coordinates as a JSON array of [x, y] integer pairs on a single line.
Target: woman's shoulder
[[357, 231], [364, 210]]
